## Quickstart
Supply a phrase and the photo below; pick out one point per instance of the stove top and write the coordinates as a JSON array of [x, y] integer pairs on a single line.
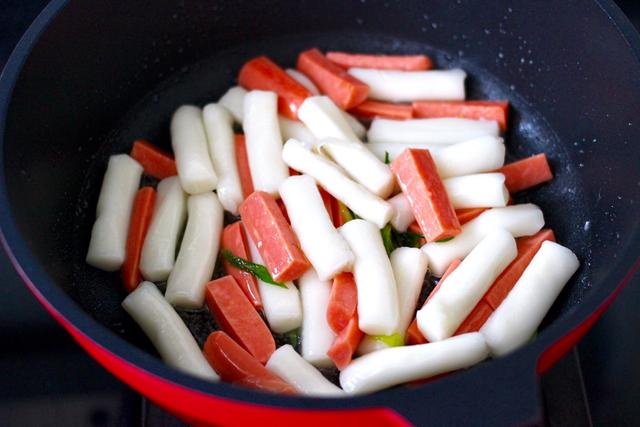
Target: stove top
[[46, 379]]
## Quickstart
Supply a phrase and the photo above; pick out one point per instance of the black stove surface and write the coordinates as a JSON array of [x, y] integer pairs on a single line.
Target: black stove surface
[[47, 380]]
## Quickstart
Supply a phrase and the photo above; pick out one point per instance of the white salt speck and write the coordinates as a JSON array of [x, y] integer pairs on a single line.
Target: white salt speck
[[587, 225], [434, 25], [500, 55]]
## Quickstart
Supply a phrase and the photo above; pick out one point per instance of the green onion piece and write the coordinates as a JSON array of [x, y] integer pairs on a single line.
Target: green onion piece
[[293, 337], [394, 340], [407, 239], [387, 238], [260, 271], [386, 158], [445, 239], [345, 213]]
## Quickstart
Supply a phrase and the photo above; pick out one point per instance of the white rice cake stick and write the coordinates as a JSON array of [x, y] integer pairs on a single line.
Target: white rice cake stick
[[291, 367], [483, 154], [329, 176], [282, 307], [233, 100], [218, 124], [408, 86], [198, 252], [519, 220], [304, 81], [296, 130], [403, 213], [160, 244], [360, 164], [107, 248], [515, 320], [482, 190], [166, 330], [357, 127], [392, 366], [377, 292], [264, 142], [369, 344], [324, 247], [189, 143], [439, 131], [409, 269], [317, 336], [325, 120], [439, 318]]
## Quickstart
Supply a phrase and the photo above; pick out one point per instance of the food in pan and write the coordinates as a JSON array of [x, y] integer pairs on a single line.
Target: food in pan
[[355, 178]]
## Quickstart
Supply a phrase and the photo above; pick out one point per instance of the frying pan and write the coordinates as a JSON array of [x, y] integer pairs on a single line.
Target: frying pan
[[89, 77]]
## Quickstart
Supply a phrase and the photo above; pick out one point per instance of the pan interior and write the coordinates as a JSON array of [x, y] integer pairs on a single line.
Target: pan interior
[[100, 293]]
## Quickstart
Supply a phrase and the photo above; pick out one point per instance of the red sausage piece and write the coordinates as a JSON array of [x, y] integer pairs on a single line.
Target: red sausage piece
[[263, 74], [370, 109], [476, 110], [343, 301], [237, 317], [418, 177], [346, 343], [381, 62], [475, 319], [242, 161], [344, 89], [236, 366], [526, 173], [140, 219], [155, 162], [467, 214], [273, 236], [234, 240]]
